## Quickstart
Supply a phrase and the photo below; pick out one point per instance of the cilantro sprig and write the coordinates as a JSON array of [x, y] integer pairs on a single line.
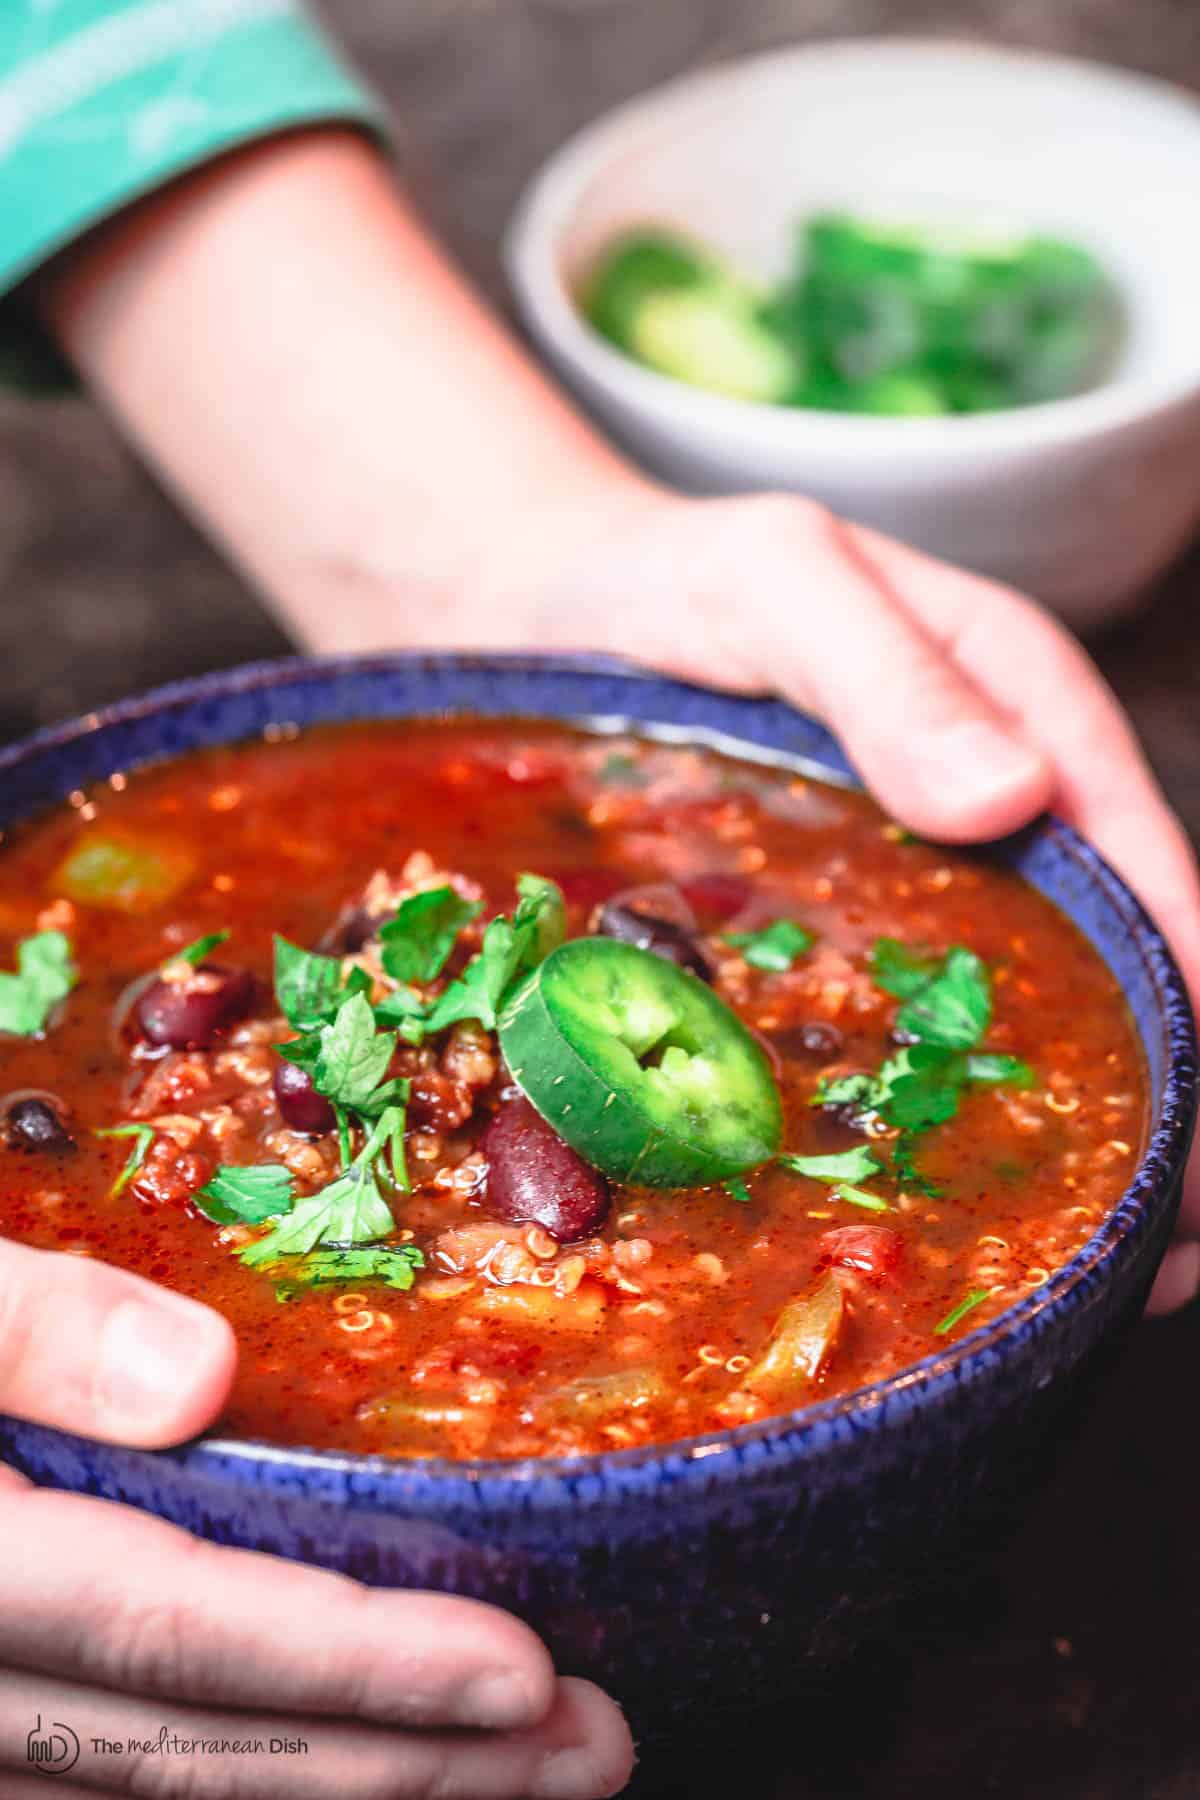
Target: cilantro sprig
[[775, 947], [511, 947], [310, 987], [196, 951], [394, 1265], [45, 974], [843, 1170], [345, 1044], [350, 1211], [418, 941], [946, 1012], [958, 1313], [245, 1195], [143, 1136]]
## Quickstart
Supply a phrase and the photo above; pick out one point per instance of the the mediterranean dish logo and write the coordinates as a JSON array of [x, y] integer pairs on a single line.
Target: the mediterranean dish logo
[[51, 1749], [54, 1748]]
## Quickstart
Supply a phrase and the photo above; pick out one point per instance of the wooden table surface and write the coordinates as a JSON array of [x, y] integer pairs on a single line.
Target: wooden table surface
[[1070, 1669]]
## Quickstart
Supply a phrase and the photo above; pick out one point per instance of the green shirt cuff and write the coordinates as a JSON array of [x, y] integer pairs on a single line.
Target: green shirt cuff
[[123, 99]]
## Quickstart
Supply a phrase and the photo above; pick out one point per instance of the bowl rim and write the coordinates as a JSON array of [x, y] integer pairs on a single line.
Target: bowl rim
[[441, 1484], [547, 204]]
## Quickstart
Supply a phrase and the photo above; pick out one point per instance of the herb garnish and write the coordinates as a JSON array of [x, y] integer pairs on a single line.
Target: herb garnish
[[946, 1012], [196, 952], [45, 975], [510, 949], [310, 987], [346, 1059], [859, 1197], [395, 1266], [776, 947], [737, 1189], [245, 1194], [958, 1313], [143, 1135], [418, 941], [350, 1211], [859, 1164]]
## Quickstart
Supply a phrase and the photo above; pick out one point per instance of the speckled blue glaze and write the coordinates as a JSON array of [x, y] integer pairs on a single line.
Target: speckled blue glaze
[[722, 1568]]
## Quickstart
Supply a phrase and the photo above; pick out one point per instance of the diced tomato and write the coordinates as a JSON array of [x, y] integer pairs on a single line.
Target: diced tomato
[[872, 1250]]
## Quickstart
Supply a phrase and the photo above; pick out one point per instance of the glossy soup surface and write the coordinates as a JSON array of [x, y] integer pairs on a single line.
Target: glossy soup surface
[[654, 1325]]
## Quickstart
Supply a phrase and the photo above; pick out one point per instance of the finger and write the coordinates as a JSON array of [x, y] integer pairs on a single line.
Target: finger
[[90, 1349], [581, 1751], [926, 740], [1029, 665], [126, 1601], [1177, 1282]]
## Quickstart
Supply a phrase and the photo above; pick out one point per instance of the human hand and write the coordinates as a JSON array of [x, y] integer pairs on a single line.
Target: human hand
[[965, 707], [119, 1624]]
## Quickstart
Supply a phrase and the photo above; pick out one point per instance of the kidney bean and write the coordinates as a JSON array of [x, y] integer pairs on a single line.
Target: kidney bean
[[624, 918], [300, 1106], [35, 1121], [534, 1178], [717, 897], [189, 1013]]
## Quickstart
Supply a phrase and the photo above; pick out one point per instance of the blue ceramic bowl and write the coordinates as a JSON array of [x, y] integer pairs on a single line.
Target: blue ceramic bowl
[[718, 1569]]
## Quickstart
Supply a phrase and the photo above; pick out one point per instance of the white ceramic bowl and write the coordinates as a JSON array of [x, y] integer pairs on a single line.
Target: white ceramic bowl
[[1081, 501]]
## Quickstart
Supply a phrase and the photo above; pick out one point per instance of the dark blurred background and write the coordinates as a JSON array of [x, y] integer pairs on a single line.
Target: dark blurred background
[[1071, 1668]]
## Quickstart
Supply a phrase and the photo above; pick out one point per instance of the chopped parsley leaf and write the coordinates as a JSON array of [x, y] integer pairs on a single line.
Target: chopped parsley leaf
[[951, 1008], [776, 947], [143, 1136], [246, 1194], [988, 1068], [418, 941], [857, 1197], [196, 952], [737, 1189], [958, 1313], [347, 1058], [395, 1266], [859, 1164], [349, 1211], [510, 949], [45, 975], [900, 971], [310, 987]]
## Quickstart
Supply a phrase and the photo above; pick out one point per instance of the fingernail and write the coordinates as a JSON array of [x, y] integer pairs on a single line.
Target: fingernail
[[496, 1701], [148, 1353], [977, 762], [569, 1774]]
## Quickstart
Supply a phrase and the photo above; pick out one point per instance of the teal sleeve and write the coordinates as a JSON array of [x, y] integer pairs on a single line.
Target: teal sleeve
[[102, 101]]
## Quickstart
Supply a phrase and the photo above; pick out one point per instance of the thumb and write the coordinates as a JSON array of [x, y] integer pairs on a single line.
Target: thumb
[[91, 1349]]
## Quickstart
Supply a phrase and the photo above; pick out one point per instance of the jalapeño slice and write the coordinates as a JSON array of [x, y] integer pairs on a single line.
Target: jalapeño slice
[[640, 1067]]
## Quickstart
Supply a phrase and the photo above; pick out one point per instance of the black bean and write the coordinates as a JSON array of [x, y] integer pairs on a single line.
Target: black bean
[[534, 1178], [814, 1038], [300, 1106], [353, 927], [189, 1014], [35, 1122], [674, 943]]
